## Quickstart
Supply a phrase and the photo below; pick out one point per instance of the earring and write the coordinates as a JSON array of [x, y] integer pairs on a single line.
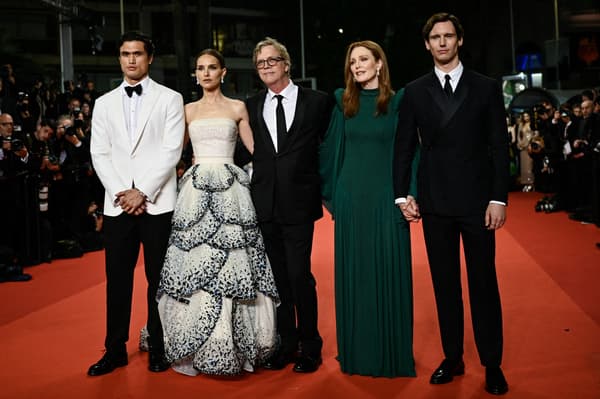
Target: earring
[[377, 72], [197, 81], [222, 80]]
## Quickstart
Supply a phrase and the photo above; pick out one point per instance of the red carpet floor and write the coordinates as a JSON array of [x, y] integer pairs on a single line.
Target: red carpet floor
[[52, 328]]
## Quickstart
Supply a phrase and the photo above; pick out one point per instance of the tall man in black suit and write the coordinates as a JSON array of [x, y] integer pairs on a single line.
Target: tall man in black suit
[[457, 118], [288, 122]]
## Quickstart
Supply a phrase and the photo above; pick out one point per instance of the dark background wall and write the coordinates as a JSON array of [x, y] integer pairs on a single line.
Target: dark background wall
[[29, 37]]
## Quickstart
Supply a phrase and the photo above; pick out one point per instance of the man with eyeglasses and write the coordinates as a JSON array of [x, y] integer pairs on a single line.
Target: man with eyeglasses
[[14, 212], [14, 154], [288, 123]]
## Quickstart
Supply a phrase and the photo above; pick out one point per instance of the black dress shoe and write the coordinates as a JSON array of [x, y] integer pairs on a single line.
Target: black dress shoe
[[157, 362], [447, 371], [107, 364], [495, 383], [278, 360], [307, 364]]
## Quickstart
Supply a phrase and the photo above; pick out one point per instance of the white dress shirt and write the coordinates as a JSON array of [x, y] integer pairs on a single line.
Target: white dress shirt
[[455, 75], [290, 96], [131, 107]]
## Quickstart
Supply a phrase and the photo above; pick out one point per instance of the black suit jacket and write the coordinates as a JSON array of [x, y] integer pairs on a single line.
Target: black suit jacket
[[464, 146], [286, 184]]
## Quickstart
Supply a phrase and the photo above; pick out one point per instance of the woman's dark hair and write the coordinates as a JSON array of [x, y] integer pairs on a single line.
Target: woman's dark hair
[[442, 17], [214, 53], [135, 36]]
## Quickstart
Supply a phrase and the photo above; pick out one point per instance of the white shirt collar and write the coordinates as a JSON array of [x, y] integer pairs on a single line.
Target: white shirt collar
[[455, 75], [286, 93]]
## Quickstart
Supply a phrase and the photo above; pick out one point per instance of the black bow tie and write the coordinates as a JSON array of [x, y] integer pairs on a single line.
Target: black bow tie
[[130, 89]]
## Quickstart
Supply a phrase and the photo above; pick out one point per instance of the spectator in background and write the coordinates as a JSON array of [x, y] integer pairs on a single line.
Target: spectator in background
[[524, 135], [576, 111], [70, 192], [597, 105], [582, 143], [8, 104], [13, 167], [513, 153]]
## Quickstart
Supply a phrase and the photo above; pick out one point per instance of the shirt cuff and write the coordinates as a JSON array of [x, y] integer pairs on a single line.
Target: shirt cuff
[[498, 202]]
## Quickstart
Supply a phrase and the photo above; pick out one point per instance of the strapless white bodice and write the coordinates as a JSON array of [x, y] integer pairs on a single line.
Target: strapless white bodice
[[213, 139]]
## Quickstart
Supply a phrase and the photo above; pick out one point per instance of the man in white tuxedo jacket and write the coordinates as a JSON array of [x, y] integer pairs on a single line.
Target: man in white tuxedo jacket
[[137, 136]]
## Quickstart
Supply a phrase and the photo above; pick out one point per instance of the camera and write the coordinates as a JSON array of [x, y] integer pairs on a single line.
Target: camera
[[16, 144], [72, 130], [21, 96]]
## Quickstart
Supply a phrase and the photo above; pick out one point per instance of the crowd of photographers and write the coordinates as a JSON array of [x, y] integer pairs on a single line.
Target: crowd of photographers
[[564, 148], [50, 195]]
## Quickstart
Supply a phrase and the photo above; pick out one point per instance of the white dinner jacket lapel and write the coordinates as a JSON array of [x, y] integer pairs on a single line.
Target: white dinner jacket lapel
[[149, 100]]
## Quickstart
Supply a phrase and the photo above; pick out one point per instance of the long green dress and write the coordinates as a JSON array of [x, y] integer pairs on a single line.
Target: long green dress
[[373, 285]]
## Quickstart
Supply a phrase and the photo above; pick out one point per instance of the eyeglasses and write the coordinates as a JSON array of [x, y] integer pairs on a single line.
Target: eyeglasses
[[271, 61]]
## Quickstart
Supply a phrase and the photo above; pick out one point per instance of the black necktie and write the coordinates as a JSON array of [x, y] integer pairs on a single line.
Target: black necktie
[[281, 127], [448, 86], [130, 89]]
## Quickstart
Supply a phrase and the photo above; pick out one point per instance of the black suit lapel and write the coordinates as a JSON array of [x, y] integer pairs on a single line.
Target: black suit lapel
[[263, 132], [437, 93], [459, 97], [297, 122], [448, 106]]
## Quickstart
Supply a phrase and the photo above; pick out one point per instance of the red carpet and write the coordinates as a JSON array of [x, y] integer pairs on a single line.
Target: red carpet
[[52, 328]]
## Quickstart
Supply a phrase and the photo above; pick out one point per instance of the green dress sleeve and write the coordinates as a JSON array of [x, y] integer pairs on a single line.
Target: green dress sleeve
[[331, 153], [412, 189]]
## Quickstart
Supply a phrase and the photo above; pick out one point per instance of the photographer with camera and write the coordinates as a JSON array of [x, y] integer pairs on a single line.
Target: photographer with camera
[[13, 200], [69, 194], [546, 150], [14, 155], [27, 113], [583, 143]]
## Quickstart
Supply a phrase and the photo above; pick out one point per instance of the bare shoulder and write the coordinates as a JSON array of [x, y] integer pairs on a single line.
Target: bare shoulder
[[191, 110], [238, 107]]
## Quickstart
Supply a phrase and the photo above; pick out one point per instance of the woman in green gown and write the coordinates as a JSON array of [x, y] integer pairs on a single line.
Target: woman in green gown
[[373, 286]]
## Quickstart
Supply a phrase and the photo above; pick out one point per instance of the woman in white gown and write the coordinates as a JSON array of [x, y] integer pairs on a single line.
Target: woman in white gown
[[217, 296]]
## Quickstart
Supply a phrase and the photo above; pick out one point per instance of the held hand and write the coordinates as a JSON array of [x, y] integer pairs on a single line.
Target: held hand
[[410, 209], [495, 216], [132, 201]]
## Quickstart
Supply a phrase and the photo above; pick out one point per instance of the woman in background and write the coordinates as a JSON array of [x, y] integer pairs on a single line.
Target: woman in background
[[524, 135]]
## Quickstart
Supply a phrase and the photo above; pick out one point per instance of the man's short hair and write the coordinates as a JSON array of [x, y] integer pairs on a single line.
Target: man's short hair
[[442, 17], [135, 36], [281, 49]]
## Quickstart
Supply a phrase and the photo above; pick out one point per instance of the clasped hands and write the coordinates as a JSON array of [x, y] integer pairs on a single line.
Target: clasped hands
[[132, 201], [495, 214], [410, 209]]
